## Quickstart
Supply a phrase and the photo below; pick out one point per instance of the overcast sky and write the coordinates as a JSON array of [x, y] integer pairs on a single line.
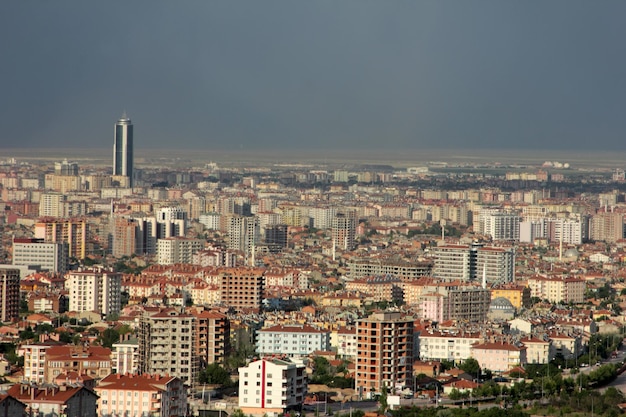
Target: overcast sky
[[315, 74]]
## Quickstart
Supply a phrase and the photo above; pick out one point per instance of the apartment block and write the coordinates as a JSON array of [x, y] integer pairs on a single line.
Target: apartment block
[[167, 345], [97, 289], [271, 386], [177, 250], [385, 353], [242, 287], [9, 294], [557, 289], [452, 346], [292, 339], [125, 356], [93, 361], [212, 337], [141, 395]]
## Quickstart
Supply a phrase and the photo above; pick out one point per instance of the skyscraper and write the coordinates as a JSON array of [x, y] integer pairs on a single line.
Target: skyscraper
[[123, 149]]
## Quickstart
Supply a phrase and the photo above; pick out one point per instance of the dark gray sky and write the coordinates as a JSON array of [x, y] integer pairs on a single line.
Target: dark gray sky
[[315, 74]]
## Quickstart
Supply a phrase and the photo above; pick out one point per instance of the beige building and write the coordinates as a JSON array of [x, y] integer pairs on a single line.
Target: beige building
[[557, 289], [141, 395], [167, 345], [94, 361], [499, 356]]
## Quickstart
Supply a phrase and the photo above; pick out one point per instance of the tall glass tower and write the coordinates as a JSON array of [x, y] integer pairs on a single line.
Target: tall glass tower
[[123, 149]]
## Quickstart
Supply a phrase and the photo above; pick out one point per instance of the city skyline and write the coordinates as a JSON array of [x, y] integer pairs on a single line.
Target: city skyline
[[282, 76]]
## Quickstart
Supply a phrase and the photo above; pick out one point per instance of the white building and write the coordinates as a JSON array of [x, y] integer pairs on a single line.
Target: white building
[[271, 386], [51, 205], [447, 345], [177, 250], [97, 289], [125, 356], [347, 343], [292, 340], [35, 361], [502, 226], [37, 253]]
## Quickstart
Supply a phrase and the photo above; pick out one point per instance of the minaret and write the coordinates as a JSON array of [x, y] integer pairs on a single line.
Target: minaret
[[123, 149]]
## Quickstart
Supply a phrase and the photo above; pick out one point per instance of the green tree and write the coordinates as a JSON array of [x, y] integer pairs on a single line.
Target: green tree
[[382, 401], [471, 366], [214, 374]]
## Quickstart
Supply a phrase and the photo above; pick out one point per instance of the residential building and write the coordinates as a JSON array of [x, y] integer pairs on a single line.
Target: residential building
[[292, 339], [607, 227], [46, 256], [385, 353], [365, 267], [212, 337], [344, 230], [518, 295], [96, 289], [72, 232], [557, 289], [472, 262], [177, 250], [94, 361], [125, 356], [499, 356], [167, 345], [241, 287], [379, 288], [9, 294], [35, 361], [271, 386], [142, 395], [73, 400], [538, 350], [450, 346], [11, 407], [347, 343]]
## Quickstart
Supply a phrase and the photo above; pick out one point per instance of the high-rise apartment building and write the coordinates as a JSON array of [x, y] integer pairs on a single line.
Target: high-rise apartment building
[[72, 232], [9, 294], [471, 262], [608, 227], [177, 250], [123, 149], [242, 287], [167, 345], [385, 353], [97, 289], [35, 252], [212, 337], [344, 230], [243, 233]]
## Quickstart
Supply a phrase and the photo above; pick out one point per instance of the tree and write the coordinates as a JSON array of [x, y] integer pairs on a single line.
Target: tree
[[471, 366], [216, 375], [382, 401], [108, 337]]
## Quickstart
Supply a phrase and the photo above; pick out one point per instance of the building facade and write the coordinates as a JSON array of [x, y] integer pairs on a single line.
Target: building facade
[[385, 353], [293, 340], [9, 294], [123, 149], [271, 386], [96, 289]]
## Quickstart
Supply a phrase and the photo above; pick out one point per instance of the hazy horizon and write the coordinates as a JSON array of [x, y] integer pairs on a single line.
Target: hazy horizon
[[279, 75]]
